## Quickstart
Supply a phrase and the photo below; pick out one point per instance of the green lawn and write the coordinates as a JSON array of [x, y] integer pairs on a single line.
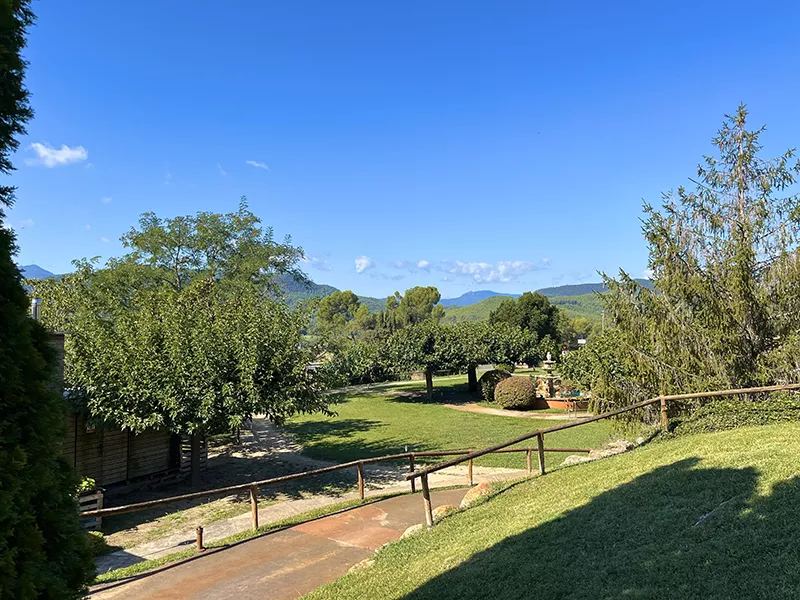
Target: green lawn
[[390, 417], [708, 516]]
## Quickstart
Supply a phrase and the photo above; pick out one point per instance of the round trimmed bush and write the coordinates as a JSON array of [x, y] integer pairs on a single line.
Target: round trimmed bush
[[515, 392], [488, 381]]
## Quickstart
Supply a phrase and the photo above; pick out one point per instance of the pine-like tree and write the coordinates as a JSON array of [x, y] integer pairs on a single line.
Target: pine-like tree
[[43, 552]]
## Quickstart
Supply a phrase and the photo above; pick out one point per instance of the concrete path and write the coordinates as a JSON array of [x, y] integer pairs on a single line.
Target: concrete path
[[289, 508], [522, 414], [284, 564]]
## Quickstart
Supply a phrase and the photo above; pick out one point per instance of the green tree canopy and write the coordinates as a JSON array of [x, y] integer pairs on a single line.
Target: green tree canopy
[[418, 304], [43, 552], [531, 312], [427, 346], [197, 361], [227, 247]]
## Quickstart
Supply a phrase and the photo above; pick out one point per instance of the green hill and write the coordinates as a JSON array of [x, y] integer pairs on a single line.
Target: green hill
[[706, 516], [586, 305], [295, 292], [472, 312]]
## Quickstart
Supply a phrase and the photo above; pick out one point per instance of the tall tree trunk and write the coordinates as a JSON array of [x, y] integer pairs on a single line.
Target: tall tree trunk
[[195, 460], [429, 383], [472, 378]]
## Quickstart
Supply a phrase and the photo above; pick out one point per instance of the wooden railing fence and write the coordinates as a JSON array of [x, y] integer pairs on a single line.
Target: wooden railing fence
[[462, 456], [540, 433]]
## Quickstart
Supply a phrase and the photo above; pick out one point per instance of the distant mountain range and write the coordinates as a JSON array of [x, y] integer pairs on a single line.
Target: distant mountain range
[[472, 298], [577, 299], [35, 272]]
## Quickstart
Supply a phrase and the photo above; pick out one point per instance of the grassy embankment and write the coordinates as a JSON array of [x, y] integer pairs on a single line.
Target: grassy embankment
[[711, 516]]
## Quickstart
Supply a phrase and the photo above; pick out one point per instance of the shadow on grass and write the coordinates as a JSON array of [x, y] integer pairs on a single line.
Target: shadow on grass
[[331, 440], [677, 532], [454, 393]]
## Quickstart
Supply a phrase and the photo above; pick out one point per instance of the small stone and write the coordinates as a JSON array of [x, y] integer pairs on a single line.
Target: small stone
[[414, 529], [574, 459], [367, 562], [479, 491], [442, 511]]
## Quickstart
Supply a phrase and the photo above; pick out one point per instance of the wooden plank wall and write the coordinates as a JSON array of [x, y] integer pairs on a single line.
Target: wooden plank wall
[[114, 456], [149, 452]]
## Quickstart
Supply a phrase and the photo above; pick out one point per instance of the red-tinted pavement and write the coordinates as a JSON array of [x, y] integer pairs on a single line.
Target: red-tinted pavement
[[285, 564]]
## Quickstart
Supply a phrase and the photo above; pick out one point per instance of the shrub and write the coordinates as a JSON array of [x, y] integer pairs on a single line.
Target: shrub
[[515, 392], [488, 381], [508, 368], [719, 415]]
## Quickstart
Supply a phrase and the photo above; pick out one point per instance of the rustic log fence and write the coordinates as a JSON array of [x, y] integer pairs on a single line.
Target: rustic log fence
[[540, 433], [462, 456]]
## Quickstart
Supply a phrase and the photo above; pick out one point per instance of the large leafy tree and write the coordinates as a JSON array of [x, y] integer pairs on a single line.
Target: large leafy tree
[[725, 311], [184, 331], [224, 247], [418, 304], [533, 315], [43, 553], [482, 342], [427, 346]]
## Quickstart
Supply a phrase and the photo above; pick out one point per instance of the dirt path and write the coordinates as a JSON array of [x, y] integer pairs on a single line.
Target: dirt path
[[284, 564], [265, 451], [521, 414]]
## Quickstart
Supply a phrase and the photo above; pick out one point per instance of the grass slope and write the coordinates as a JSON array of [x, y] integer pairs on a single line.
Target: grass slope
[[387, 418], [711, 516], [472, 312]]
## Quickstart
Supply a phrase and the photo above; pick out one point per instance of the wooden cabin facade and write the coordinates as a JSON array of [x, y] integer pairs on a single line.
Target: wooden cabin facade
[[112, 456]]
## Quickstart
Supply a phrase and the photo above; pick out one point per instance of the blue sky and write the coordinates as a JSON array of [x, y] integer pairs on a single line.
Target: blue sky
[[467, 145]]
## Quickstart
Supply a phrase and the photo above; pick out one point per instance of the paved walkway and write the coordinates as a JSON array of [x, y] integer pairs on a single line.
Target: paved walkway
[[284, 564], [289, 508], [522, 414]]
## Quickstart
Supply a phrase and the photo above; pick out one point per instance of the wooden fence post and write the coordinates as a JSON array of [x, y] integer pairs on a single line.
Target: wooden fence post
[[411, 470], [360, 467], [663, 414], [254, 506], [469, 471], [426, 499], [528, 459], [199, 538], [540, 443]]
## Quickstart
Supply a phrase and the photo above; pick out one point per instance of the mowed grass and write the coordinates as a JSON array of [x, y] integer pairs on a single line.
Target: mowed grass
[[389, 418], [709, 516]]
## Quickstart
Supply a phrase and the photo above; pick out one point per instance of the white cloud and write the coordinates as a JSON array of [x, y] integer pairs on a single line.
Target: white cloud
[[167, 175], [26, 223], [222, 171], [47, 156], [105, 240], [106, 200], [315, 262], [423, 265], [647, 273], [87, 227], [364, 263], [257, 165], [412, 267], [499, 272]]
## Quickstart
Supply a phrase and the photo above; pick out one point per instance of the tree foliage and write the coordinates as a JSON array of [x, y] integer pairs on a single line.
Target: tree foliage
[[725, 311], [43, 553], [183, 332], [223, 247], [197, 361]]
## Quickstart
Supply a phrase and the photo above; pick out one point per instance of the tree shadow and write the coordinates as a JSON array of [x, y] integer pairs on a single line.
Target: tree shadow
[[245, 463], [677, 532]]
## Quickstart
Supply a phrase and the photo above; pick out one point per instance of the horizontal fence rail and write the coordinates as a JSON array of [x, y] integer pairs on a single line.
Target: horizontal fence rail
[[255, 485], [464, 455], [539, 434]]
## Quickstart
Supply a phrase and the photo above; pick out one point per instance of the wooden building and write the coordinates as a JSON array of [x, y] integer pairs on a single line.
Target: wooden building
[[112, 456]]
